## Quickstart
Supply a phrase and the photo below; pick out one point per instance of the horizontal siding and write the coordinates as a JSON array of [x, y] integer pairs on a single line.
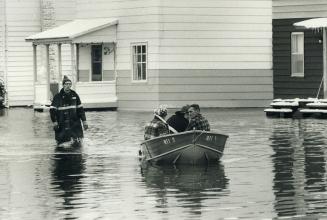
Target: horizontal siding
[[2, 40], [285, 9], [65, 10], [22, 20], [190, 24], [96, 91], [147, 99], [211, 88], [286, 86], [103, 35], [138, 22], [216, 86], [218, 24]]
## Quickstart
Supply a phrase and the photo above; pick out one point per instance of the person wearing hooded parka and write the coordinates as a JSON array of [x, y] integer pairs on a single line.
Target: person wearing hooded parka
[[67, 114]]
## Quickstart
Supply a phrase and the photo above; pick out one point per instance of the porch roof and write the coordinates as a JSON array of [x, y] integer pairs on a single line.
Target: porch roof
[[313, 23], [66, 33]]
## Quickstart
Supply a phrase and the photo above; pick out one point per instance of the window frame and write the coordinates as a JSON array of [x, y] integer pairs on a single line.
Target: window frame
[[293, 73], [91, 62], [133, 55]]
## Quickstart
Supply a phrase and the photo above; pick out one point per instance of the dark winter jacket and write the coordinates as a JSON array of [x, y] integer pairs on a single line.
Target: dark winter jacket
[[67, 110], [178, 122]]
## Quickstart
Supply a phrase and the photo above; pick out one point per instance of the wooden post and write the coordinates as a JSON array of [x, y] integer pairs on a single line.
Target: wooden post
[[77, 62], [59, 62], [73, 63], [34, 69], [47, 63]]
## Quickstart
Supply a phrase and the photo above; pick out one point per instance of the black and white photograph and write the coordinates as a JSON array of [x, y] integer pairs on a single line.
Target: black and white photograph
[[163, 109]]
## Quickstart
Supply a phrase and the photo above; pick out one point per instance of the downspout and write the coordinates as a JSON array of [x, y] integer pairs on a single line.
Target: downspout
[[115, 65], [115, 70], [5, 50], [324, 62]]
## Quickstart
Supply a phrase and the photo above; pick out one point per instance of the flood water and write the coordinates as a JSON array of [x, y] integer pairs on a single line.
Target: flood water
[[271, 169]]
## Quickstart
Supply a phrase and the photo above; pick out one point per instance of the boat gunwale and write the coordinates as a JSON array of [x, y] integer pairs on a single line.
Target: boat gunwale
[[182, 148], [182, 133]]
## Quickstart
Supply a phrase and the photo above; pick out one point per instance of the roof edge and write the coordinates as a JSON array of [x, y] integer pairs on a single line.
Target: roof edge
[[114, 22]]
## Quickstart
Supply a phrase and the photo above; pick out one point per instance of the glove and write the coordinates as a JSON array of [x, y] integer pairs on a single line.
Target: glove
[[55, 126], [85, 125]]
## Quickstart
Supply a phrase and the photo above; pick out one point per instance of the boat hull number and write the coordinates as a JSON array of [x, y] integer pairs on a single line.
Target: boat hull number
[[168, 141]]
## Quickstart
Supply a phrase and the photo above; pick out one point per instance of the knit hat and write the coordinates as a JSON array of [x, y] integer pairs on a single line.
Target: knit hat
[[161, 111], [65, 79]]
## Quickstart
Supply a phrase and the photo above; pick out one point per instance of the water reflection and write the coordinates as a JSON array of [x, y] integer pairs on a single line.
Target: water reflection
[[2, 111], [299, 168], [68, 169], [191, 185]]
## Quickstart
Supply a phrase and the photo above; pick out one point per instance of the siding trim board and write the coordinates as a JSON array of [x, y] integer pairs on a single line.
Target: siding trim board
[[286, 86]]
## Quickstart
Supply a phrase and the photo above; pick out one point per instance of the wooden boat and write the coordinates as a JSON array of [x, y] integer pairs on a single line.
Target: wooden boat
[[191, 147]]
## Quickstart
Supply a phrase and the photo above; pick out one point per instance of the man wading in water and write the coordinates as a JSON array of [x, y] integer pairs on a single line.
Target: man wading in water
[[66, 113]]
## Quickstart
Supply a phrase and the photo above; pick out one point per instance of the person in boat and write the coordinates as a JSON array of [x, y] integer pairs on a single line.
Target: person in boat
[[197, 121], [67, 114], [157, 127], [179, 120]]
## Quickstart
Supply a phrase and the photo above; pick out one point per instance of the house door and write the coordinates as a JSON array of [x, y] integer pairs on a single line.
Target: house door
[[96, 62]]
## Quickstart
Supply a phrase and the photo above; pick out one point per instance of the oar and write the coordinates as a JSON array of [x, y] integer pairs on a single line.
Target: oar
[[169, 127]]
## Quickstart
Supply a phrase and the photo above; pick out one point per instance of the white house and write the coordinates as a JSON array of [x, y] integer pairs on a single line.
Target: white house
[[217, 53]]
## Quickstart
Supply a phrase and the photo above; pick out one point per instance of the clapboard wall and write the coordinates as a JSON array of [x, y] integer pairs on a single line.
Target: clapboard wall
[[283, 9], [286, 86], [2, 38], [139, 21], [22, 19], [216, 53], [285, 14]]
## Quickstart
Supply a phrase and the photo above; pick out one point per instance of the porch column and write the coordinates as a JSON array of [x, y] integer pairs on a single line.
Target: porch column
[[77, 62], [115, 61], [47, 72], [324, 62], [59, 62], [34, 68], [73, 59]]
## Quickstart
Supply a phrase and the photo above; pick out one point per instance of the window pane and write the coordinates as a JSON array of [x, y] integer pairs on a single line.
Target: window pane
[[144, 71], [139, 49], [96, 63], [139, 71], [139, 58], [297, 48], [134, 71], [297, 64], [294, 44], [143, 49]]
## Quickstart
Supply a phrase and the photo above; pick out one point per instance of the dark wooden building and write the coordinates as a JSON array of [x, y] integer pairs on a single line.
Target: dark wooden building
[[307, 80], [298, 50]]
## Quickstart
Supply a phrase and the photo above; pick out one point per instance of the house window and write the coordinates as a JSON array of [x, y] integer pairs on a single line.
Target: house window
[[139, 53], [96, 58], [297, 59]]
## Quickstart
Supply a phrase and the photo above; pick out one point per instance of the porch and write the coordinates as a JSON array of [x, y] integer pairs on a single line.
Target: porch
[[91, 47]]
